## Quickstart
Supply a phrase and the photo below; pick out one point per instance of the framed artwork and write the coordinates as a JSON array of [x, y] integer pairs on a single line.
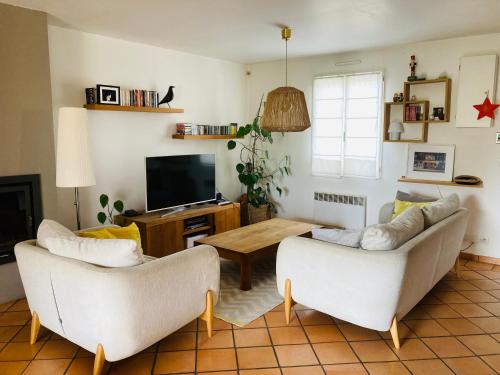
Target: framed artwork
[[430, 162], [108, 94]]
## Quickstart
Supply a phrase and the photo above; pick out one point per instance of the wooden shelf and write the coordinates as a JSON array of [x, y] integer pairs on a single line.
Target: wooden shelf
[[387, 121], [186, 136], [406, 141], [123, 108], [196, 230], [427, 81], [432, 182]]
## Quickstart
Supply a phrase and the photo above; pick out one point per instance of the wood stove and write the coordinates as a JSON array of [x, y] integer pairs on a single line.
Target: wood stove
[[20, 212]]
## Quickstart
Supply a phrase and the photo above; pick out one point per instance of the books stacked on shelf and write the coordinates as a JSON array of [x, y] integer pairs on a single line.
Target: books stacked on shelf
[[413, 112], [134, 98], [191, 129], [139, 98]]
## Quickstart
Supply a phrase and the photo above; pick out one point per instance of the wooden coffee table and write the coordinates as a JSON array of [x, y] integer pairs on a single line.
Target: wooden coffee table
[[252, 242]]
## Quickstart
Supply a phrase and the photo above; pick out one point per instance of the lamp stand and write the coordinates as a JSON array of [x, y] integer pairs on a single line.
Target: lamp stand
[[77, 207]]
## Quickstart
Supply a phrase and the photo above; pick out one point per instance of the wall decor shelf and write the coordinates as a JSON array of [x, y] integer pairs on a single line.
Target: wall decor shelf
[[432, 182], [446, 82], [122, 108], [205, 136], [387, 121]]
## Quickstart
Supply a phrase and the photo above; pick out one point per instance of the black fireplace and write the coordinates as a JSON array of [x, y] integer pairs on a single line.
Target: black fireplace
[[20, 212]]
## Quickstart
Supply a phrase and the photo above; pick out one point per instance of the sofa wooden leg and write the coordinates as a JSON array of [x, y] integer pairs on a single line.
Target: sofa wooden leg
[[394, 332], [288, 300], [457, 267], [35, 327], [99, 360], [208, 314]]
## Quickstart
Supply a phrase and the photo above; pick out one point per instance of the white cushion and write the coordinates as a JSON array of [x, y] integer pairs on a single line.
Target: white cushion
[[440, 209], [49, 229], [102, 252], [343, 237], [392, 235]]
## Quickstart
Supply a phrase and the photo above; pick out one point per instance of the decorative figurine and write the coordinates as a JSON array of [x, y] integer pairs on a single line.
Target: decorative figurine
[[413, 67], [395, 98], [168, 97], [413, 98], [401, 97]]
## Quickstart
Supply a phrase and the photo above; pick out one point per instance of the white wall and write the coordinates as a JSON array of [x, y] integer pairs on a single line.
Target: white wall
[[476, 151], [211, 92]]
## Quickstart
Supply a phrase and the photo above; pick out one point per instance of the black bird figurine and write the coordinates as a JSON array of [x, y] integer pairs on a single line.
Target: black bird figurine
[[169, 97]]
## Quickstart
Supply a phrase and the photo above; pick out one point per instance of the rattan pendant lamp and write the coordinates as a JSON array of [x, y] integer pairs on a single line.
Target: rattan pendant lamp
[[285, 109]]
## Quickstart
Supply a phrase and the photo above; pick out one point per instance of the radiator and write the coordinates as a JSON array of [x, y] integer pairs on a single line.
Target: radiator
[[348, 211]]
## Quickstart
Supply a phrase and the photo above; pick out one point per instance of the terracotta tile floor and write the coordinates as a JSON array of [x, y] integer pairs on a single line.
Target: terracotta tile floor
[[455, 329]]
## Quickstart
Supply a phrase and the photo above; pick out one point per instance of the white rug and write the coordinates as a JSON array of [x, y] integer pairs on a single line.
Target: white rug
[[242, 307]]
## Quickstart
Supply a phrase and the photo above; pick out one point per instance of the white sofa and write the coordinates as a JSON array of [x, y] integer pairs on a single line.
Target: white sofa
[[118, 312], [372, 289]]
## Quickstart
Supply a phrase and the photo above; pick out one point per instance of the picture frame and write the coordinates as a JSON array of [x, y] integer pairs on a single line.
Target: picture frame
[[107, 94], [430, 162]]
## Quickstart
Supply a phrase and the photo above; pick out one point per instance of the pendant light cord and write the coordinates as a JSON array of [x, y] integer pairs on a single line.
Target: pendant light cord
[[286, 62]]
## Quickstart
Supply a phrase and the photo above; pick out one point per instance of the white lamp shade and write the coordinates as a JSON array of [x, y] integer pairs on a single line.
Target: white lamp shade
[[395, 127], [74, 164]]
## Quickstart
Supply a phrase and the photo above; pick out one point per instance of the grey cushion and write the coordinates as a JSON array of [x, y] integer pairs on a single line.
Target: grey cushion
[[407, 197], [440, 209], [392, 235], [345, 237]]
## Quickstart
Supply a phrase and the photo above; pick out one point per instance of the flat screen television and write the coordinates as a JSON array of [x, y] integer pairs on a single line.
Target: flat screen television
[[179, 180]]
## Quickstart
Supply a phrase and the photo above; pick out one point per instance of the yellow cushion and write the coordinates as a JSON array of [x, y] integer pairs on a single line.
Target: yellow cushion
[[402, 206], [125, 233]]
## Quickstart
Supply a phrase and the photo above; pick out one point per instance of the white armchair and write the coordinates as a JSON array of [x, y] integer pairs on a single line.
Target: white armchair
[[117, 312], [372, 289]]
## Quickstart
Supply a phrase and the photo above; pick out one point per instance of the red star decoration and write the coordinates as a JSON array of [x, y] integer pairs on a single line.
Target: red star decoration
[[487, 109]]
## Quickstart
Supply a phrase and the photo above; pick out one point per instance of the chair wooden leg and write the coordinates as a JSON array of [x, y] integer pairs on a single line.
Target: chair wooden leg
[[35, 327], [394, 332], [288, 300], [457, 267], [208, 314], [99, 360]]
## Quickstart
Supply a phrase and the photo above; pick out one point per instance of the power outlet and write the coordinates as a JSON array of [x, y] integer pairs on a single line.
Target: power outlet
[[476, 238]]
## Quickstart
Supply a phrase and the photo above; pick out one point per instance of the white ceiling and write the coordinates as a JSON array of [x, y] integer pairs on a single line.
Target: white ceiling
[[247, 30]]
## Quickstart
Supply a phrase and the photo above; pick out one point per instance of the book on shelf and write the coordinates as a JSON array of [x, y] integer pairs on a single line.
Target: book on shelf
[[413, 112], [134, 98], [91, 95], [185, 128]]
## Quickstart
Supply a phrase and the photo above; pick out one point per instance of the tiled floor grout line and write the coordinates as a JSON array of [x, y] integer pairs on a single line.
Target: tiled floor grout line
[[196, 345], [157, 349], [271, 341], [235, 350], [309, 341]]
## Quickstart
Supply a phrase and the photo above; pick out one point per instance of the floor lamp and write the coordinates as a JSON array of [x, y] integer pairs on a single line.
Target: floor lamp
[[74, 164]]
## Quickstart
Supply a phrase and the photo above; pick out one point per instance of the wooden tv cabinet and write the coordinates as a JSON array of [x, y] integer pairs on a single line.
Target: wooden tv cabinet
[[161, 236]]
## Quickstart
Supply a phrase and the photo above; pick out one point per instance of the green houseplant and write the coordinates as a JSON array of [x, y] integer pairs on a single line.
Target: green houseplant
[[256, 170], [103, 216]]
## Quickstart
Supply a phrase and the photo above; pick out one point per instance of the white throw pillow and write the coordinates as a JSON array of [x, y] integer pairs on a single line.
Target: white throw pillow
[[343, 237], [50, 229], [392, 235], [440, 209], [102, 252]]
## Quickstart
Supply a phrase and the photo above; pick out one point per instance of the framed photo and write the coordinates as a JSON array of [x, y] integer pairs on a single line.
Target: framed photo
[[108, 94], [430, 162]]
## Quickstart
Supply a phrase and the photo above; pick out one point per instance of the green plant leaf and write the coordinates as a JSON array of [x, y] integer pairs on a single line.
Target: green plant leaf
[[270, 139], [265, 132], [255, 121], [118, 205], [266, 153], [241, 132], [240, 167], [256, 128], [231, 145], [248, 129], [279, 190], [101, 217], [104, 199]]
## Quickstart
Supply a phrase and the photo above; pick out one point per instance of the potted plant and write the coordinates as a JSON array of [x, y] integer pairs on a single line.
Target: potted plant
[[257, 172]]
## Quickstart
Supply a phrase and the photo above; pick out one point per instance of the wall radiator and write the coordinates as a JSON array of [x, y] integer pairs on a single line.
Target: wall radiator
[[348, 211]]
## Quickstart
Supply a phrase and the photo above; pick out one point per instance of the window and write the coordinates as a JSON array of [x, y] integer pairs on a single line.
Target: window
[[346, 125]]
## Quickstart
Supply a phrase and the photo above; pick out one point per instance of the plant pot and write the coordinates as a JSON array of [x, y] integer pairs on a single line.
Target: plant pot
[[250, 214]]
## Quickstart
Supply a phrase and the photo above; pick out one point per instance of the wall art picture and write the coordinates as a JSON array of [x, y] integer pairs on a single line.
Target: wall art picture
[[430, 162], [108, 94]]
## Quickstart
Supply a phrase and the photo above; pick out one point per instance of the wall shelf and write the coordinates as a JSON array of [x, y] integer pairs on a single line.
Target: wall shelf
[[205, 136], [432, 182], [387, 121], [123, 108], [446, 94]]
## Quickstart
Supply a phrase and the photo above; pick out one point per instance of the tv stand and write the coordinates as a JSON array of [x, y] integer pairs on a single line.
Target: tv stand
[[172, 211], [163, 235]]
